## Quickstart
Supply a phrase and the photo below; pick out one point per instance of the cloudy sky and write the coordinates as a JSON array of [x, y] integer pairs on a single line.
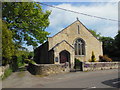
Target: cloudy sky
[[60, 19]]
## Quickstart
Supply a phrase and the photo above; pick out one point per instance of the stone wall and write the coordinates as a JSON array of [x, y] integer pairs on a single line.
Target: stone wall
[[92, 66], [47, 69], [70, 34], [2, 69]]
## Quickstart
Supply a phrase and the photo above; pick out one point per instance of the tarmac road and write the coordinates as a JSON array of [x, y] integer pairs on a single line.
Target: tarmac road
[[92, 79]]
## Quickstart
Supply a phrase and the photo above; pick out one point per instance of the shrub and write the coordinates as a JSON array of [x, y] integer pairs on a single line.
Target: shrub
[[20, 61], [29, 61], [14, 64], [77, 60], [104, 58], [7, 73], [93, 59], [77, 63], [89, 60]]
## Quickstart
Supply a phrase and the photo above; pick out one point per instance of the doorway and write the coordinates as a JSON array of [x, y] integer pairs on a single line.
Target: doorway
[[64, 56]]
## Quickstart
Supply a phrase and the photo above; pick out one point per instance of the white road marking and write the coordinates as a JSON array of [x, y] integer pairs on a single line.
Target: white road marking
[[93, 87], [60, 78], [45, 77], [116, 82], [89, 88]]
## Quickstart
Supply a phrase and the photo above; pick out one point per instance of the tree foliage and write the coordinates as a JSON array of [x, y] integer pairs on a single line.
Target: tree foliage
[[24, 23], [27, 21], [7, 44], [95, 34], [108, 45], [111, 46], [117, 44], [117, 40]]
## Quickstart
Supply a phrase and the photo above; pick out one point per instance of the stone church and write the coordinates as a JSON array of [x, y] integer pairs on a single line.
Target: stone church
[[74, 41]]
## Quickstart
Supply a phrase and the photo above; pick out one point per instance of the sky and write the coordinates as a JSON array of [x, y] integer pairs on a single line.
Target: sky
[[60, 19]]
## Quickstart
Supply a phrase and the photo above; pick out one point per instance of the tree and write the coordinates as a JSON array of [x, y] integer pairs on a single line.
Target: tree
[[108, 45], [117, 40], [117, 44], [95, 34], [27, 21], [7, 44]]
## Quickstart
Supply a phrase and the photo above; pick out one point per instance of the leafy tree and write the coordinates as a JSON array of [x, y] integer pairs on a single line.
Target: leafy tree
[[95, 34], [117, 40], [117, 44], [108, 45], [7, 44], [27, 21], [31, 55], [0, 42]]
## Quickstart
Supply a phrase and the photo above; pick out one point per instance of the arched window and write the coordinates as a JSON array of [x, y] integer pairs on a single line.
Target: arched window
[[79, 47]]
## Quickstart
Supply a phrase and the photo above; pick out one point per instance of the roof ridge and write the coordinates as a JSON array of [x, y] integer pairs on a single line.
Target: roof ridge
[[60, 43], [63, 29]]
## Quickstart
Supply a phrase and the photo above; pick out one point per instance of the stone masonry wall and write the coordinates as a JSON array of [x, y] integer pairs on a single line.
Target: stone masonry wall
[[70, 34], [92, 66], [47, 69], [2, 69]]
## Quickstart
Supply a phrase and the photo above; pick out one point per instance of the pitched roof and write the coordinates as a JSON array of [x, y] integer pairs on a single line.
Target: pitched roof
[[70, 25], [60, 43], [63, 29]]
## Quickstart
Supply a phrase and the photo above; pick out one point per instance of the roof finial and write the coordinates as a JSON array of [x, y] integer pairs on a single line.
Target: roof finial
[[77, 18]]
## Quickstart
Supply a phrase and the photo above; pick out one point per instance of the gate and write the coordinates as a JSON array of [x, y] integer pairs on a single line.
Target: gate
[[78, 66]]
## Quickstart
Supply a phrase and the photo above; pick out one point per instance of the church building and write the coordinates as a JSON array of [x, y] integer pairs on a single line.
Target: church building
[[74, 41]]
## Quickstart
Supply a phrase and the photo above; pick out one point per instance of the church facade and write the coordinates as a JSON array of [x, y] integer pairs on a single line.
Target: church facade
[[75, 41]]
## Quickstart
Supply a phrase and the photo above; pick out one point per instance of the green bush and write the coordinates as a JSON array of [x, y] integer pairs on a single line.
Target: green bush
[[7, 73], [29, 61], [93, 59], [77, 63], [77, 60], [104, 58], [17, 61], [20, 61], [14, 64], [20, 58], [31, 55]]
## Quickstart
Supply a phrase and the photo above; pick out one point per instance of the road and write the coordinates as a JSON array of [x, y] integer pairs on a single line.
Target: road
[[92, 79]]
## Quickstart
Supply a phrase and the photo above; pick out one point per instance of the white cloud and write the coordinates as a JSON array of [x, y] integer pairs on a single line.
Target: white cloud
[[59, 19], [76, 0]]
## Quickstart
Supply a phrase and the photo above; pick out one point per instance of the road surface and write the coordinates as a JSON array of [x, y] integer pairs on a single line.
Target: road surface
[[91, 79]]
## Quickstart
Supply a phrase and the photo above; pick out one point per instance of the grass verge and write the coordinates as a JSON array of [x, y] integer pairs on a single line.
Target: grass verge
[[7, 73]]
